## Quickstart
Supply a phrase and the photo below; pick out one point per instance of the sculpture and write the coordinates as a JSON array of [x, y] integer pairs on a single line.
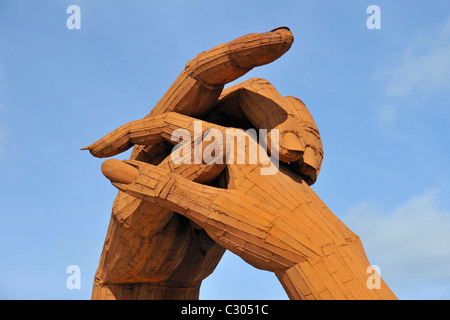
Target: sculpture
[[172, 222]]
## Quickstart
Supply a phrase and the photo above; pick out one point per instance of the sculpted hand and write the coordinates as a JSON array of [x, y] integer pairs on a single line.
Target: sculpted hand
[[150, 252], [275, 223]]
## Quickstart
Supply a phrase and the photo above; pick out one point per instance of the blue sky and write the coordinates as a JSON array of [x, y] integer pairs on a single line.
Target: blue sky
[[380, 98]]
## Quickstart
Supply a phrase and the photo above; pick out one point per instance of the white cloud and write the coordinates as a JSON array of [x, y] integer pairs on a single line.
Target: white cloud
[[411, 244], [422, 67], [386, 114]]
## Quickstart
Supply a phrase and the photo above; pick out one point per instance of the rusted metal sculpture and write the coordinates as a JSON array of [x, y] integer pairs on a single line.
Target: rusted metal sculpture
[[173, 220]]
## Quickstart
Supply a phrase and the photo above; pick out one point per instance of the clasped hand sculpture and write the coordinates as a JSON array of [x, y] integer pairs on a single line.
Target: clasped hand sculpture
[[171, 222]]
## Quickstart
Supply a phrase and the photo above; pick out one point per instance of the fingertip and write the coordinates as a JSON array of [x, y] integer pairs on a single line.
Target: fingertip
[[119, 172], [286, 34], [261, 48]]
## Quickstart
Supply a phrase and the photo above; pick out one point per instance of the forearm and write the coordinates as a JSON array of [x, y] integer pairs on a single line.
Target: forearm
[[339, 275], [313, 253], [129, 256], [146, 291], [144, 240], [180, 281]]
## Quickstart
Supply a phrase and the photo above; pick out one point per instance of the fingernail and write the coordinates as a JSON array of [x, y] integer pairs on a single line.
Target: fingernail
[[88, 147], [118, 171], [280, 28]]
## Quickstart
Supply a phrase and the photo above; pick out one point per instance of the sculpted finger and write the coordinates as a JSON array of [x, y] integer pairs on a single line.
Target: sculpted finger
[[310, 163], [231, 60], [145, 131], [149, 131], [199, 85], [232, 219], [257, 101], [265, 108]]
